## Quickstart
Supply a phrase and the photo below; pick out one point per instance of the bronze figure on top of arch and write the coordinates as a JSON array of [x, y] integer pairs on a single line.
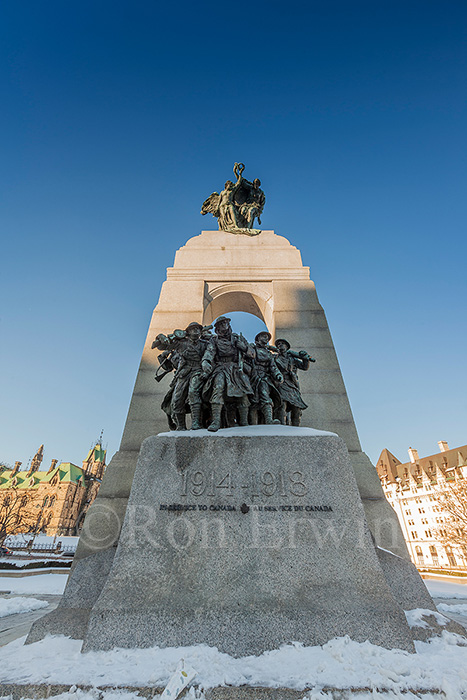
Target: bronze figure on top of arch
[[238, 205]]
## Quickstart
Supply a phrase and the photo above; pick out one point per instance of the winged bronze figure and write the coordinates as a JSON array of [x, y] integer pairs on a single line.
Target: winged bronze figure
[[238, 205]]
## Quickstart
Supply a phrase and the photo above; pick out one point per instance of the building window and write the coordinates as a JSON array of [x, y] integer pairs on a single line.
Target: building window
[[451, 557], [434, 555], [414, 535], [45, 501], [420, 557]]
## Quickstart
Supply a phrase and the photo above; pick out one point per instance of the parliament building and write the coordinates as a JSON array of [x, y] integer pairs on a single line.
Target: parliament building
[[55, 501]]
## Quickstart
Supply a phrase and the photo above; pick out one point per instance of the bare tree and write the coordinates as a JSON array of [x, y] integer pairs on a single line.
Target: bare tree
[[453, 501], [16, 515]]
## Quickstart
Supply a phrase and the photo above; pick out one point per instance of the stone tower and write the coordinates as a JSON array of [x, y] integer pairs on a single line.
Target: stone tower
[[94, 464], [36, 460]]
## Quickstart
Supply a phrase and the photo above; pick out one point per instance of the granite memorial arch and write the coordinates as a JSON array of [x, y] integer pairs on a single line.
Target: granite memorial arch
[[296, 483], [215, 273]]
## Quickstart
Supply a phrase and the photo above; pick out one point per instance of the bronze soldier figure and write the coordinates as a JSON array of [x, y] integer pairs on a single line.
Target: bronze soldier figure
[[288, 363], [227, 382], [189, 348], [264, 379]]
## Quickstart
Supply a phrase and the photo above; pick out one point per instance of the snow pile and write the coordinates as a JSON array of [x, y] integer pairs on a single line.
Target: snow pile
[[77, 694], [460, 609], [341, 663], [251, 431], [54, 584], [12, 606], [415, 617]]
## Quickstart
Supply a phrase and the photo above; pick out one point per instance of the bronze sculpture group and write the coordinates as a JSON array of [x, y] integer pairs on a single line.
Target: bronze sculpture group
[[223, 380]]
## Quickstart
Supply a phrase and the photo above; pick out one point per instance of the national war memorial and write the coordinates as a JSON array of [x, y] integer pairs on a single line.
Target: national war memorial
[[261, 524]]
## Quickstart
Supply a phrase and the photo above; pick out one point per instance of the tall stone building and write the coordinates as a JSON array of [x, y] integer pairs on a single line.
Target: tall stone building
[[57, 499], [413, 489]]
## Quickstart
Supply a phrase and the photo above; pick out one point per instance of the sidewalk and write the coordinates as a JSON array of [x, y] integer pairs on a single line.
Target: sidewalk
[[14, 626]]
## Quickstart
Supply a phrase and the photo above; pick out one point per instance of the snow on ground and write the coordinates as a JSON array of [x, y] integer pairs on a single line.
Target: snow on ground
[[460, 609], [342, 663], [446, 589], [77, 694], [54, 584], [250, 431], [12, 606]]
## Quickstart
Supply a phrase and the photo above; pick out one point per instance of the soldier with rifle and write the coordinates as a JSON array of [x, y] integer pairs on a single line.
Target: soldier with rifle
[[265, 378], [183, 350], [288, 361]]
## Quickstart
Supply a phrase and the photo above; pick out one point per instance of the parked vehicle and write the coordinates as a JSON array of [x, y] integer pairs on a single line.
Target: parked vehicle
[[5, 552]]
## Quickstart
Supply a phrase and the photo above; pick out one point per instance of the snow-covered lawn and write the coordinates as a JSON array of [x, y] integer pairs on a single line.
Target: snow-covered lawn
[[54, 584], [12, 606], [20, 560], [342, 663]]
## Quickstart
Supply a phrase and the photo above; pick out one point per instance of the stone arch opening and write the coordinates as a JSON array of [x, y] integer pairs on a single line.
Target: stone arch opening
[[220, 300]]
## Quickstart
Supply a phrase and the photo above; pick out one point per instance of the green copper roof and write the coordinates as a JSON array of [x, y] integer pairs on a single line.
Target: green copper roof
[[67, 473], [97, 453]]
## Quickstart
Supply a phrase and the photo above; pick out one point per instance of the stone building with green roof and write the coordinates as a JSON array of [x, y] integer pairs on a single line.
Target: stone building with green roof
[[56, 500]]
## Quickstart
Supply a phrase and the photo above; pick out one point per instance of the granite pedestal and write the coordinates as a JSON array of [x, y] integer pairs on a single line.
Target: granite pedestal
[[244, 540]]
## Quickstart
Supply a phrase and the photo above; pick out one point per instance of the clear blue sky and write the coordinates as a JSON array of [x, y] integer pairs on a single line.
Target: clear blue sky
[[119, 118]]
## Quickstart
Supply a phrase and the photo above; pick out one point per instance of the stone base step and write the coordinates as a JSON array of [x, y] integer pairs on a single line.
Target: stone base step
[[17, 691]]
